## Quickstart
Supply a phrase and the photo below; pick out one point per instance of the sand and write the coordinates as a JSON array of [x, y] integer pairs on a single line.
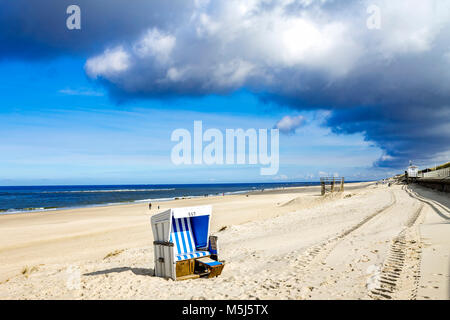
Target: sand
[[369, 242]]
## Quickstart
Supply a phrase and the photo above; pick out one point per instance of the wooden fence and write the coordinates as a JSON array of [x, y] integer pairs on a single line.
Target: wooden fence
[[335, 184]]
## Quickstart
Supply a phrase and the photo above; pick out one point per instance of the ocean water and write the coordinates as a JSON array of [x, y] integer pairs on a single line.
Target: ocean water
[[42, 198]]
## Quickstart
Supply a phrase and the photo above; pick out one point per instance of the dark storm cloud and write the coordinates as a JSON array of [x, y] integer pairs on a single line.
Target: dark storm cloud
[[392, 84], [37, 29]]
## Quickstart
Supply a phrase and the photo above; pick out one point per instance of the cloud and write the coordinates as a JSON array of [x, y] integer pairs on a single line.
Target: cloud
[[156, 45], [227, 45], [288, 124], [108, 64], [322, 174], [281, 177], [38, 30], [80, 92], [391, 84]]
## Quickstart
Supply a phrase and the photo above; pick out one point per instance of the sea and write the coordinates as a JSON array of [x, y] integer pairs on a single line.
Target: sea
[[19, 199]]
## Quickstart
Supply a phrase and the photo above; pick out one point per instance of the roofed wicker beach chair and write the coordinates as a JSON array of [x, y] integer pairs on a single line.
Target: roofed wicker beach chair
[[182, 244]]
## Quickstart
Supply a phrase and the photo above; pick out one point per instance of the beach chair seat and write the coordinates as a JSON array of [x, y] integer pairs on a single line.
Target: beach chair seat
[[192, 255]]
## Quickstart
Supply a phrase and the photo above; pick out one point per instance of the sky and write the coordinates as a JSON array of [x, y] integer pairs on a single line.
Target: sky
[[98, 105]]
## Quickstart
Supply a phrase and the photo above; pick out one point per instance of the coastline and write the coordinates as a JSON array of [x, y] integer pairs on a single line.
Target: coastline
[[261, 232], [93, 189], [158, 200]]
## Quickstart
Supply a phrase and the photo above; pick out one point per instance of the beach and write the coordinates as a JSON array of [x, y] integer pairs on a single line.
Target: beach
[[369, 242]]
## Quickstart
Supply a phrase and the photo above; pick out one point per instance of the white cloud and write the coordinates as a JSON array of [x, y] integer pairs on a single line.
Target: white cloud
[[175, 74], [386, 157], [322, 174], [309, 176], [281, 177], [410, 26], [289, 124], [109, 63], [205, 26], [155, 44], [233, 73], [80, 92], [233, 43], [268, 45]]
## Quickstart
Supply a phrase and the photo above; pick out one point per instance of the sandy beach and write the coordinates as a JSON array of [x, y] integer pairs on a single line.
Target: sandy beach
[[369, 242]]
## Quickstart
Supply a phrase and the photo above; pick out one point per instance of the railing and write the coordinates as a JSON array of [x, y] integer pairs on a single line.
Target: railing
[[441, 173], [332, 182]]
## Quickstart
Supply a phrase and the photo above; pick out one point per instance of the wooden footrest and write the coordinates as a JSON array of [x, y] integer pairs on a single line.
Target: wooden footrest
[[214, 267]]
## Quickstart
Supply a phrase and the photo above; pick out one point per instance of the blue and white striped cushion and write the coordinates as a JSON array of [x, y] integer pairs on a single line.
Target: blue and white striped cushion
[[184, 245], [195, 254]]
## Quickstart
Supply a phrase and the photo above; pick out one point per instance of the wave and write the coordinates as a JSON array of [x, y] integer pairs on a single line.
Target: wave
[[156, 200], [41, 209], [24, 210], [108, 191]]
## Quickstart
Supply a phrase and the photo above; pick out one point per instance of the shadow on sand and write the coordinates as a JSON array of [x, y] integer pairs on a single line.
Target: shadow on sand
[[439, 201], [136, 271]]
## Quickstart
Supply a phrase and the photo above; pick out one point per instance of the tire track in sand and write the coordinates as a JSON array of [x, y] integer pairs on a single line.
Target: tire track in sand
[[436, 206], [299, 267], [319, 252], [400, 272]]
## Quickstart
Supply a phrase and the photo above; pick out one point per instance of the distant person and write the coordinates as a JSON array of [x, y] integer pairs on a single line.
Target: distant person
[[158, 207], [149, 206]]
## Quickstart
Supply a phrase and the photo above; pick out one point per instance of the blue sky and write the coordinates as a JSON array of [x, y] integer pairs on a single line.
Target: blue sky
[[58, 127], [98, 105]]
